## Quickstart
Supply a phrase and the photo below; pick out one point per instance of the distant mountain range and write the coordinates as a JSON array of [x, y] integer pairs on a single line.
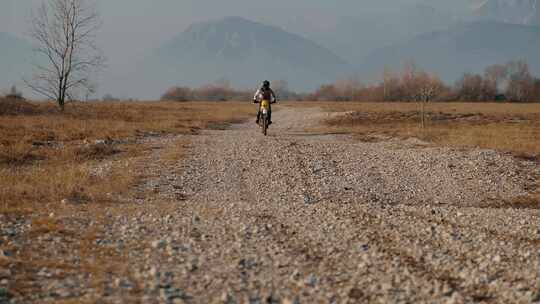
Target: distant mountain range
[[363, 32], [245, 53], [356, 37], [463, 48], [524, 12], [15, 60]]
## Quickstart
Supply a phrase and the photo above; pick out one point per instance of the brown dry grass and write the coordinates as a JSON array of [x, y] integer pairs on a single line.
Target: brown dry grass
[[46, 156], [46, 164], [501, 126]]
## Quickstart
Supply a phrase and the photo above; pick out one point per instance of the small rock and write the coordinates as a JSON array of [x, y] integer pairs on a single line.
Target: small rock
[[363, 247], [226, 298], [535, 296], [153, 272], [291, 301], [356, 294], [176, 294], [193, 265], [295, 275], [44, 272], [3, 254], [310, 281], [447, 290], [5, 273], [159, 244], [308, 200], [64, 293], [271, 299], [247, 263], [10, 232], [5, 296], [75, 200], [456, 298]]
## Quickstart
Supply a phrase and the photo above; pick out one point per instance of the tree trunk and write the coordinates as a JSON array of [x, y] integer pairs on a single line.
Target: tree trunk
[[60, 98], [423, 114], [61, 103]]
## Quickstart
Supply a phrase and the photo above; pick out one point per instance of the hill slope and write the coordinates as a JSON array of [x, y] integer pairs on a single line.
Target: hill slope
[[525, 12], [464, 48], [355, 37], [244, 52]]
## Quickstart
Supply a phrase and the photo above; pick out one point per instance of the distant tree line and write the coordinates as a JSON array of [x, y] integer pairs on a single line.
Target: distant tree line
[[206, 93], [222, 91], [512, 82]]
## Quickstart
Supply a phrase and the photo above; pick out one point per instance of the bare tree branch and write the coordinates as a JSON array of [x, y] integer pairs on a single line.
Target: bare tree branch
[[65, 31]]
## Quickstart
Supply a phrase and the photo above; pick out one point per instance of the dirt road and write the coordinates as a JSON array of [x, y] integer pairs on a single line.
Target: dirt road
[[297, 217], [306, 218]]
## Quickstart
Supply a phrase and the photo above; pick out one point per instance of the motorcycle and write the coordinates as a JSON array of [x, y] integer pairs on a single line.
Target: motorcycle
[[264, 119]]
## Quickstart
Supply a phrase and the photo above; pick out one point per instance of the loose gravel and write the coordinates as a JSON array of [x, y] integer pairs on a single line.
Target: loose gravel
[[297, 217]]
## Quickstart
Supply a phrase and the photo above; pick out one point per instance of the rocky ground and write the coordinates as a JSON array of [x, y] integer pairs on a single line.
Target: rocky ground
[[297, 217]]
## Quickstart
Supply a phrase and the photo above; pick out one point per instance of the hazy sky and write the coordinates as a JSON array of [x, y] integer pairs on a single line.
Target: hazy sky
[[133, 28], [138, 25]]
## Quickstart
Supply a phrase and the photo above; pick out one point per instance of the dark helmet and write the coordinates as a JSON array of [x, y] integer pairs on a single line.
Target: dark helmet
[[266, 84]]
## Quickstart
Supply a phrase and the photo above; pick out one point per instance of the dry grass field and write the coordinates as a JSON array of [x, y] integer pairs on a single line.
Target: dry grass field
[[45, 155], [50, 166], [506, 127]]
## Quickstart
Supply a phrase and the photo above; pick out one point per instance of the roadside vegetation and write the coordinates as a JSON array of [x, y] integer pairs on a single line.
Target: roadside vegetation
[[45, 155], [512, 82], [501, 126], [61, 173]]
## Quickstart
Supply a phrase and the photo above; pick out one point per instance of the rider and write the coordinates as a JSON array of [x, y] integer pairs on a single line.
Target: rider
[[265, 93]]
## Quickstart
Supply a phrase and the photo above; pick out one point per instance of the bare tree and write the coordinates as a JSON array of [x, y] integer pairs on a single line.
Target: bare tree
[[178, 94], [426, 87], [391, 86], [495, 74], [64, 31], [521, 81], [474, 87], [281, 88], [408, 76]]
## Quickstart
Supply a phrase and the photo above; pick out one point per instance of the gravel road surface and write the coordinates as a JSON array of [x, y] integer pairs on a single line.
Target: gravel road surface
[[298, 217]]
